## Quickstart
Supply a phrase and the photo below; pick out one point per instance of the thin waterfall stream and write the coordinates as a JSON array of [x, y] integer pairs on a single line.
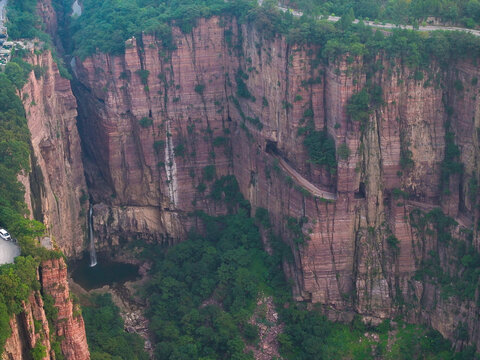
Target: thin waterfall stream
[[93, 254]]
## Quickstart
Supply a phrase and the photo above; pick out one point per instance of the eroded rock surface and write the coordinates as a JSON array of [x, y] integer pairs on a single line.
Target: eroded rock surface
[[156, 122]]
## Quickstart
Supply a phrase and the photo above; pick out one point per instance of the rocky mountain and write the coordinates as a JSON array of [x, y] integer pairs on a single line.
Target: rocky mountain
[[32, 326], [383, 229], [159, 126]]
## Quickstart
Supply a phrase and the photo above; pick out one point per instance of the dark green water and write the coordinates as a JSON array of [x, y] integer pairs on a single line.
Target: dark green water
[[104, 273]]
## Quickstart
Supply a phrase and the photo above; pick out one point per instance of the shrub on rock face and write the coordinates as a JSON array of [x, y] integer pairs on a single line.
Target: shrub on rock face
[[143, 74], [146, 122], [321, 149]]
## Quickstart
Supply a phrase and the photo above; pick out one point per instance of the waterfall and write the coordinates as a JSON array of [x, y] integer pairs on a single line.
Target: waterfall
[[93, 255], [76, 9]]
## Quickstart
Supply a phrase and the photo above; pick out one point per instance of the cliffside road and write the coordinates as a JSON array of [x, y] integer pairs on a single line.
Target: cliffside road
[[300, 180], [393, 26], [8, 252]]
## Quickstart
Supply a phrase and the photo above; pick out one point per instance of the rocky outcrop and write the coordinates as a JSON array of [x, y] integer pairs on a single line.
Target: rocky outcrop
[[69, 325], [56, 190], [159, 126], [32, 330], [28, 328]]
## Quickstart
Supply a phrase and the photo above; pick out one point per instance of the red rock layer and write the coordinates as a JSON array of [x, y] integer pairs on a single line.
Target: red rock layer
[[69, 325], [188, 104], [57, 182], [25, 335]]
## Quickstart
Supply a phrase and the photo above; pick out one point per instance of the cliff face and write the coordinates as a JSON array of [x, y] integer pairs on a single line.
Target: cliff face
[[28, 328], [159, 125], [56, 190], [69, 325], [151, 139], [31, 326]]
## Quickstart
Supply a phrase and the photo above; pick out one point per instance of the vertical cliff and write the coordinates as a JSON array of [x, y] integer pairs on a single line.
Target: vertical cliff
[[69, 325], [160, 125], [155, 126], [56, 190], [30, 329]]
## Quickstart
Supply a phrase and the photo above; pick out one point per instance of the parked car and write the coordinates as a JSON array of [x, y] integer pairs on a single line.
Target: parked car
[[5, 235]]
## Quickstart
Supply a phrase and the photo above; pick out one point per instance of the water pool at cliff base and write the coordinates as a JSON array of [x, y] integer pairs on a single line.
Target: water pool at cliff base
[[106, 272]]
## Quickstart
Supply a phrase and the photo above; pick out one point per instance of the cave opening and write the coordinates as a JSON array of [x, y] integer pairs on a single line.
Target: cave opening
[[271, 147], [360, 194]]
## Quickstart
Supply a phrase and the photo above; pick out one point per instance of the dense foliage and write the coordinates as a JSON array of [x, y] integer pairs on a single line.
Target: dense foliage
[[204, 290], [23, 21], [105, 335], [310, 336], [321, 149], [105, 25], [465, 12]]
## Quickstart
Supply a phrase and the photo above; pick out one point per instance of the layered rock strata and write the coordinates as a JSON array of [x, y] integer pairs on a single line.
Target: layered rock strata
[[159, 126], [56, 191], [69, 324], [28, 328], [31, 325]]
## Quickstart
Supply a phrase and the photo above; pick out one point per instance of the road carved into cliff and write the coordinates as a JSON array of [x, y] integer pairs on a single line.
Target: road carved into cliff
[[304, 183]]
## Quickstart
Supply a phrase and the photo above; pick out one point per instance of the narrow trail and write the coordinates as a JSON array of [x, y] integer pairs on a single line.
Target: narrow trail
[[300, 180]]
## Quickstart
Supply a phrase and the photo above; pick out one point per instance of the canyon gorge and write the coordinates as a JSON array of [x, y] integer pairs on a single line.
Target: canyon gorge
[[146, 136]]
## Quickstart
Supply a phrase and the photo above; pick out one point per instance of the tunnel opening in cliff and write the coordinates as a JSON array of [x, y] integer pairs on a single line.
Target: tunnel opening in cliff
[[271, 147], [360, 194]]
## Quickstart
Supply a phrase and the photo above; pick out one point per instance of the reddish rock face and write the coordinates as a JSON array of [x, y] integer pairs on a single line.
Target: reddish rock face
[[56, 184], [153, 119], [31, 325], [25, 335], [69, 325]]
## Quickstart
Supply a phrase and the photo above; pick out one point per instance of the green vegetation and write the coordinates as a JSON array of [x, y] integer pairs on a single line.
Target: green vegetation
[[203, 292], [343, 151], [242, 89], [19, 279], [209, 172], [159, 145], [179, 150], [451, 164], [310, 336], [321, 149], [24, 23], [226, 190], [39, 351], [146, 122], [455, 265], [105, 335], [143, 74], [107, 24], [199, 88], [362, 104], [22, 20], [406, 161], [464, 12]]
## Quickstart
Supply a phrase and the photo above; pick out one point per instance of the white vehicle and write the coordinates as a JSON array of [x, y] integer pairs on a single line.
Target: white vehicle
[[5, 235]]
